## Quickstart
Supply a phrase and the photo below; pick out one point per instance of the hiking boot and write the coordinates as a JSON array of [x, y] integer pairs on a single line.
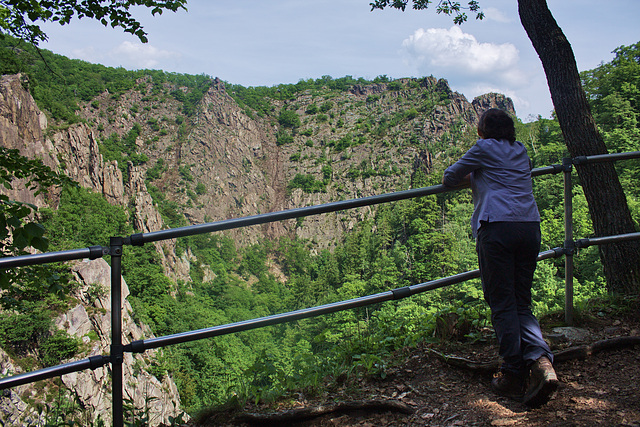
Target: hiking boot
[[543, 383], [508, 385]]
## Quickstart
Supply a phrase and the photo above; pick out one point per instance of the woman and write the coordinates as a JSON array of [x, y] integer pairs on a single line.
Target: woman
[[506, 225]]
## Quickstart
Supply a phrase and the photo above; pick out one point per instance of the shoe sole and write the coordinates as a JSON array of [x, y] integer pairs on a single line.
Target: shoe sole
[[542, 394]]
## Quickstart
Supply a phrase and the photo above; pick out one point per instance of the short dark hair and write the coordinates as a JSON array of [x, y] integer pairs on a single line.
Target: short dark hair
[[497, 124]]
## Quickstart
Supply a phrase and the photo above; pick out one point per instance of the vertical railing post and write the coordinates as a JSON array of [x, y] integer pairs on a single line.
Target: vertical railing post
[[568, 242], [116, 331]]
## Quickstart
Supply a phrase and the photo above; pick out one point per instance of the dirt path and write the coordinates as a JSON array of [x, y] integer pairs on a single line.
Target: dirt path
[[603, 389]]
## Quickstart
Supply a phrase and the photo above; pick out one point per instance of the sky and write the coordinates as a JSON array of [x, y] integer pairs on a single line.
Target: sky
[[266, 43]]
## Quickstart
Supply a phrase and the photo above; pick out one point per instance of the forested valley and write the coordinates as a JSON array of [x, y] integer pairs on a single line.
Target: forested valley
[[332, 145]]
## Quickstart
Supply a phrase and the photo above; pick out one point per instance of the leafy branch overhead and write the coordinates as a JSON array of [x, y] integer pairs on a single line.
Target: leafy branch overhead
[[447, 7], [21, 18]]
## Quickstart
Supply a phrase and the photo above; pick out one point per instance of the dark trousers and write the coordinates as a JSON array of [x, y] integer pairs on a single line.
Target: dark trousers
[[507, 254]]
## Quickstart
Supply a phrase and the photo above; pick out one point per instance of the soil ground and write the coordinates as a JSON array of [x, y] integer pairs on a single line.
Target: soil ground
[[600, 389]]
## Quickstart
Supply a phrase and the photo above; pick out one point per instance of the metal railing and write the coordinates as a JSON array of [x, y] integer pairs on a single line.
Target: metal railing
[[117, 349]]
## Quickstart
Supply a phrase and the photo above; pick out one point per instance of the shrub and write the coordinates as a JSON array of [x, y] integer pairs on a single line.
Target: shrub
[[312, 109], [326, 106], [201, 189], [295, 157], [308, 184], [283, 137], [289, 119], [58, 347]]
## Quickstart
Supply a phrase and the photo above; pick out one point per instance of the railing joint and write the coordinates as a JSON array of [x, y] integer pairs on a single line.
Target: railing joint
[[400, 293], [117, 353], [97, 361], [582, 243], [558, 167], [567, 164], [96, 252], [136, 239], [558, 252], [580, 160], [569, 247], [135, 347]]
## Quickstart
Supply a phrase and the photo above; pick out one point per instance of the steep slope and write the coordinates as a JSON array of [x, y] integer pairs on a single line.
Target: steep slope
[[228, 161]]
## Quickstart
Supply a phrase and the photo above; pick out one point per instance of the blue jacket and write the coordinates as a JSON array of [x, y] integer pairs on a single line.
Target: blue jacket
[[500, 182]]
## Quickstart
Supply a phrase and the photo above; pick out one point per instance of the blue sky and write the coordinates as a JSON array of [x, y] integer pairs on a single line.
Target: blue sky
[[265, 43]]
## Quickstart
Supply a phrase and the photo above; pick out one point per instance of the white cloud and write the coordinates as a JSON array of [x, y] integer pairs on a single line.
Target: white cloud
[[454, 53], [471, 67], [493, 14], [138, 56]]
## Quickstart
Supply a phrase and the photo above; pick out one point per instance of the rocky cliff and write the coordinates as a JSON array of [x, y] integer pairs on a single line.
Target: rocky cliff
[[89, 319], [23, 126]]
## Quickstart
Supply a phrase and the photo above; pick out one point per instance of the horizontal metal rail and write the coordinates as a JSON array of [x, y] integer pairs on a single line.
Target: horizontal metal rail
[[599, 158], [584, 243], [91, 252], [92, 363], [153, 236], [395, 294], [143, 345], [94, 252]]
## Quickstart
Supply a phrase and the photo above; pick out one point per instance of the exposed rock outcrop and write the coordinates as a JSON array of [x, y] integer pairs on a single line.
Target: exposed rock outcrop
[[90, 320], [76, 150]]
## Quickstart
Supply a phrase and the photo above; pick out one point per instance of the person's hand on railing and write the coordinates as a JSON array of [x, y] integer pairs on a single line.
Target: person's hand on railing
[[465, 182]]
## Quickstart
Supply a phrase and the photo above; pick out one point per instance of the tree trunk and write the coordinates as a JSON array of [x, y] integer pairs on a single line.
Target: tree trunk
[[607, 202]]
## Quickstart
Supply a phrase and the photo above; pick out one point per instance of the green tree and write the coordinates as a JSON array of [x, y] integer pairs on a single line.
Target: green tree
[[22, 18], [613, 90], [18, 230], [289, 119], [607, 202]]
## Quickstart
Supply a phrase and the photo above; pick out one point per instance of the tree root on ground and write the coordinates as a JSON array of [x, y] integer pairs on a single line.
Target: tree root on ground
[[301, 414], [579, 352], [382, 405]]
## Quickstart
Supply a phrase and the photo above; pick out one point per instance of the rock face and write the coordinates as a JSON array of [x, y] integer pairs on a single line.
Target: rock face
[[75, 150], [93, 387], [89, 319], [234, 156]]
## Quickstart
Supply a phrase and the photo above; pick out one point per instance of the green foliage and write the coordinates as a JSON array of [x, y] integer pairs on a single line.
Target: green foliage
[[22, 333], [394, 86], [201, 189], [17, 13], [308, 184], [58, 83], [447, 7], [289, 119], [312, 109], [326, 106], [169, 210], [18, 230], [156, 171], [58, 347], [283, 137], [84, 219], [123, 149], [613, 90]]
